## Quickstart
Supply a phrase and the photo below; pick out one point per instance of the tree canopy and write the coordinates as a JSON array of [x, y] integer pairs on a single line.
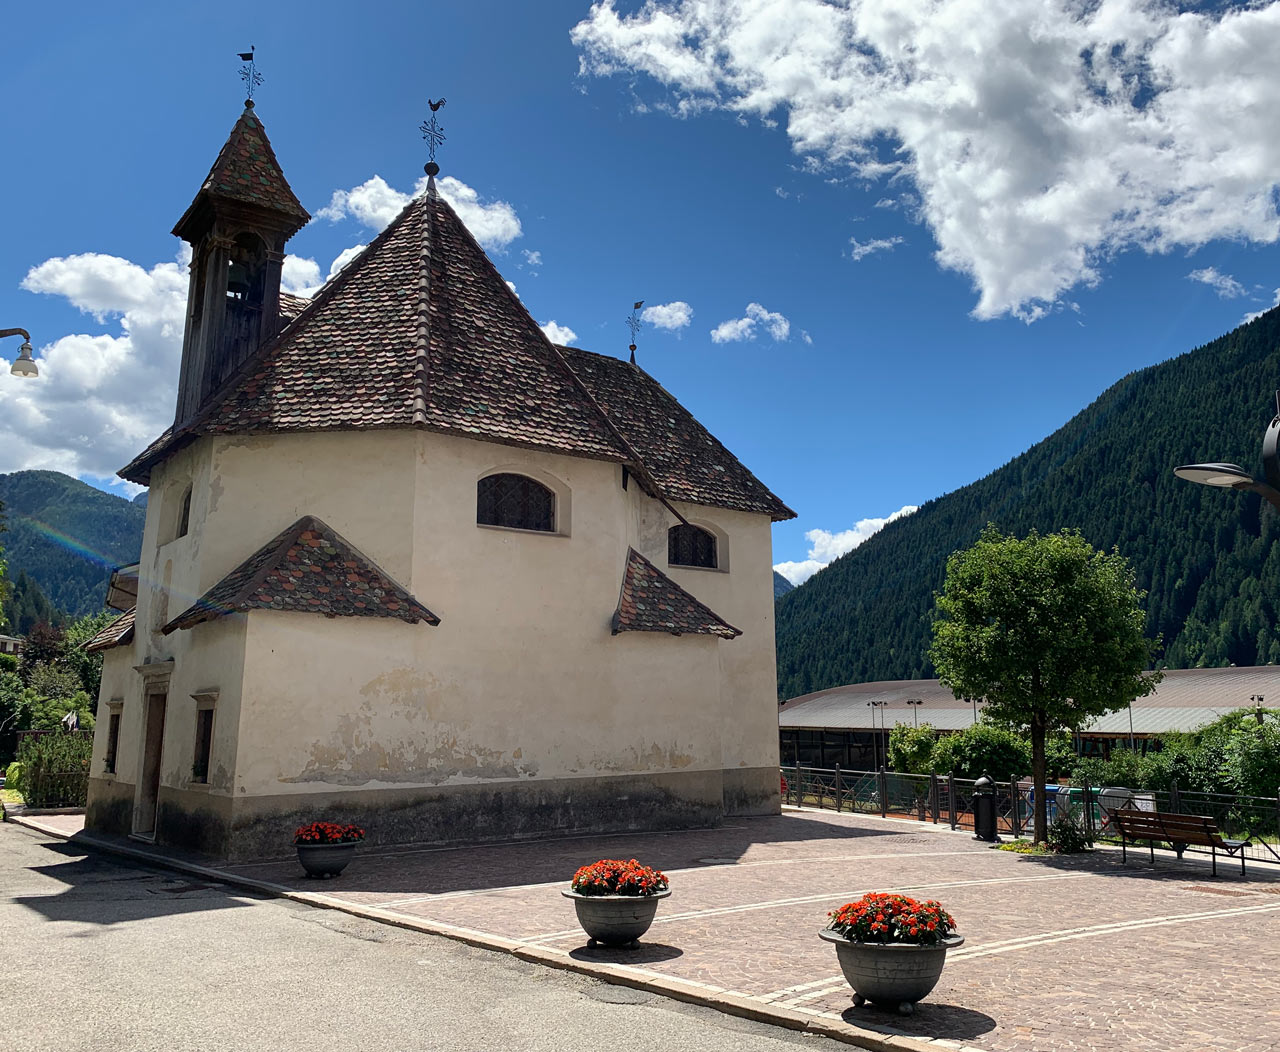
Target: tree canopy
[[1047, 629]]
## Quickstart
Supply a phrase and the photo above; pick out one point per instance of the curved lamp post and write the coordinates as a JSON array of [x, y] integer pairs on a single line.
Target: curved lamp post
[[1233, 476], [24, 365]]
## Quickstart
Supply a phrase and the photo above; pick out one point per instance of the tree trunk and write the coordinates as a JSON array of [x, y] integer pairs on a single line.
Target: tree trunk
[[1038, 776]]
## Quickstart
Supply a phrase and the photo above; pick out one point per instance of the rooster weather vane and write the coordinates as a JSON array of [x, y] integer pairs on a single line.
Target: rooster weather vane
[[249, 73], [434, 134], [635, 325]]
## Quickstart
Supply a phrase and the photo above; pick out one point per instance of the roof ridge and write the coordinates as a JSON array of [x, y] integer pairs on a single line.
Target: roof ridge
[[422, 353]]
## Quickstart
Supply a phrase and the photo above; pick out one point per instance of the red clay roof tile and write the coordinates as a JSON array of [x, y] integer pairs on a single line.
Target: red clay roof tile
[[308, 568], [651, 602], [114, 634]]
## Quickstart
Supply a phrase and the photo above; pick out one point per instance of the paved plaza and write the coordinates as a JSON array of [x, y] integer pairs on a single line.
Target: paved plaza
[[1080, 952]]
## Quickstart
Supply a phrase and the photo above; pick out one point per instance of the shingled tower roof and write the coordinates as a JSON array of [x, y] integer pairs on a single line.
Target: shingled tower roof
[[247, 171], [421, 331]]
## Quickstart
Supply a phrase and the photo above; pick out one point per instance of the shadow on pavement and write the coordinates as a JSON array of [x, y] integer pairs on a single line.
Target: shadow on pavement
[[101, 890], [406, 870], [645, 953], [930, 1020]]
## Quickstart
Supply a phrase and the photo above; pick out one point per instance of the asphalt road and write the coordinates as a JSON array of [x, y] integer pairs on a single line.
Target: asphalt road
[[103, 954]]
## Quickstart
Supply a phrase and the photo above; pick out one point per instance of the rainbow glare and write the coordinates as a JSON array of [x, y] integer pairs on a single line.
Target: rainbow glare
[[71, 544]]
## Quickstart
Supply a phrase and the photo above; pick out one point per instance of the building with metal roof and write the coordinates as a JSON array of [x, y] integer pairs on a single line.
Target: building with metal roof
[[849, 725]]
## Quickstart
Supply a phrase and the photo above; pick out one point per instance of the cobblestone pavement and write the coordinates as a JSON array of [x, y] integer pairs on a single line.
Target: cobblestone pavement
[[1079, 952]]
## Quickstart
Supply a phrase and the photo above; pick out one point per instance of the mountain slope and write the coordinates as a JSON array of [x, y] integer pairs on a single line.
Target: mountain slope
[[1206, 556], [67, 536], [781, 586]]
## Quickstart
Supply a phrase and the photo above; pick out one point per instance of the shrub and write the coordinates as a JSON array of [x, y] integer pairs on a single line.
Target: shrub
[[982, 748], [8, 663], [911, 748], [611, 876], [1067, 835], [55, 769], [327, 833], [13, 777], [884, 918]]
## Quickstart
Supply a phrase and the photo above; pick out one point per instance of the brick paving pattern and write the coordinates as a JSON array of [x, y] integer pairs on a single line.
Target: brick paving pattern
[[1079, 952]]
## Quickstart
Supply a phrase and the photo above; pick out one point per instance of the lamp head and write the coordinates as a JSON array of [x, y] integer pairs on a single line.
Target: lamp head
[[1222, 475], [24, 365]]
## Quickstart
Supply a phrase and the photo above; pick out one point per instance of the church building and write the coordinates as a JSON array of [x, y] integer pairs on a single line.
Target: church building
[[409, 564]]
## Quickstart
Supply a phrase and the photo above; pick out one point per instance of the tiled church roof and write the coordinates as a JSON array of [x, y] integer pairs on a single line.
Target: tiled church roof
[[420, 330], [683, 457], [307, 568], [115, 634], [247, 170], [651, 602]]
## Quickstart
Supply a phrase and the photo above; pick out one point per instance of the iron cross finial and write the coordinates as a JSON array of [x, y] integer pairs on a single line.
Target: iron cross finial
[[434, 135], [635, 325], [249, 73]]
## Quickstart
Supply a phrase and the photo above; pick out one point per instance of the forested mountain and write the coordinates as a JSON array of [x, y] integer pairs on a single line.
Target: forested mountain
[[1205, 555], [67, 536], [781, 586]]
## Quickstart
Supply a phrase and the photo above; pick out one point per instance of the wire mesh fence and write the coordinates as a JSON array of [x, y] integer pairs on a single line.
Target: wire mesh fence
[[946, 799]]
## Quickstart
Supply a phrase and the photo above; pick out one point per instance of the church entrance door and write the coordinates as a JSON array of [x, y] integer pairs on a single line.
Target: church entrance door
[[149, 784]]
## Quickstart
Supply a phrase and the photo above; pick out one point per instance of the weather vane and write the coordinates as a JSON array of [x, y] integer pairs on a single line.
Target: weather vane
[[249, 73], [434, 134], [635, 325]]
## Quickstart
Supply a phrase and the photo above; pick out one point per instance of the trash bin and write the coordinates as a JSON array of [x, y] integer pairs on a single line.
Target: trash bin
[[984, 810]]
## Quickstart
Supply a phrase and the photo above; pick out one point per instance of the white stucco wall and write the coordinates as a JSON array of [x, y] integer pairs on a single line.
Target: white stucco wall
[[522, 680]]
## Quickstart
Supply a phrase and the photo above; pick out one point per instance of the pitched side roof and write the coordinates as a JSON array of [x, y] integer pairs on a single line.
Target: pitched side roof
[[683, 457], [651, 602], [246, 170], [309, 568], [115, 634]]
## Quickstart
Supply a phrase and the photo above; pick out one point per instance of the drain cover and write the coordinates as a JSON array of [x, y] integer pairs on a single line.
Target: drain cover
[[718, 861]]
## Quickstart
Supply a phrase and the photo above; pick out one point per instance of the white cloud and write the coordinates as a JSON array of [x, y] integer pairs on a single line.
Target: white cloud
[[804, 335], [374, 203], [826, 546], [300, 276], [344, 257], [862, 249], [1259, 313], [1223, 284], [534, 259], [558, 333], [1042, 136], [511, 285], [100, 397], [674, 315], [745, 328]]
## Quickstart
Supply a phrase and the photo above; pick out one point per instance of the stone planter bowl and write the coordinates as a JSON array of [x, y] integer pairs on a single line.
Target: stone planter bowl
[[895, 975], [615, 920], [326, 860]]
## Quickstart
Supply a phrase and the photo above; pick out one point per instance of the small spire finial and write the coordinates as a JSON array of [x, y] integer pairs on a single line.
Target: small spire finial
[[249, 74], [635, 325], [434, 135]]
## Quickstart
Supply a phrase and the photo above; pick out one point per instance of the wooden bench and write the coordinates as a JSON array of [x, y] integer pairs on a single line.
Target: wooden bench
[[1178, 830]]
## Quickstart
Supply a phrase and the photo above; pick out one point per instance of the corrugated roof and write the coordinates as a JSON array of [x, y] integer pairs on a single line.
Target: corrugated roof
[[1184, 700]]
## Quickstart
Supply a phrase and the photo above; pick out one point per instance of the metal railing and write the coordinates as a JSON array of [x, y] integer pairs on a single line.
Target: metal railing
[[946, 799]]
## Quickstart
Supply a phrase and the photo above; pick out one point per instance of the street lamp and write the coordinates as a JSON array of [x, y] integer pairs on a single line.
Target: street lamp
[[875, 748], [24, 365], [915, 710], [974, 703], [1233, 476]]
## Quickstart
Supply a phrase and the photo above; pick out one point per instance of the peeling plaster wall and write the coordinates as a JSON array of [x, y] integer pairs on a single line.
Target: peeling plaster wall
[[522, 684]]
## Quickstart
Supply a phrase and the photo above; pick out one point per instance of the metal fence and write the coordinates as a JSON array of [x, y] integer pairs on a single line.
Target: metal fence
[[948, 800]]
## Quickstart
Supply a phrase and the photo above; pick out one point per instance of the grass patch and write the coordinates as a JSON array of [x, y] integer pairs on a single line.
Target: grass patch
[[1025, 847]]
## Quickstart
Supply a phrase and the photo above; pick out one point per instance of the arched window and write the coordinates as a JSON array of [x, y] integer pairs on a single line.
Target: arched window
[[516, 501], [184, 516], [689, 545]]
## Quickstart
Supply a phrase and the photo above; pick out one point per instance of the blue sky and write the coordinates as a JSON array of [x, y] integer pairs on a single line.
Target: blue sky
[[958, 224]]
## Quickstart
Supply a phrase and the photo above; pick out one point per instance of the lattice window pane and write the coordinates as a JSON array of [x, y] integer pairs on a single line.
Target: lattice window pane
[[516, 501], [689, 545]]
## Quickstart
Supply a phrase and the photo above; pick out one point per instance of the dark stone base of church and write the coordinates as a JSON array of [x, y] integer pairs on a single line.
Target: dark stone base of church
[[249, 828], [110, 806]]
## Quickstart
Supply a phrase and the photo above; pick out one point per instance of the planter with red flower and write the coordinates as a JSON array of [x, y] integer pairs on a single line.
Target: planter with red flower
[[891, 948], [325, 848], [616, 900]]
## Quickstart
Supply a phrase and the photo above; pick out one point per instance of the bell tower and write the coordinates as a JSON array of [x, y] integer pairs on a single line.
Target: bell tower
[[237, 227]]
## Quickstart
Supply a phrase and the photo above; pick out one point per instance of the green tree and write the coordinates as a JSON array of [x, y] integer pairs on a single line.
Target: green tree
[[1048, 630], [982, 748], [911, 747]]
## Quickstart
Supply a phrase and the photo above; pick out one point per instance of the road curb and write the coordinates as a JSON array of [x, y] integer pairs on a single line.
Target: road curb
[[618, 975]]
